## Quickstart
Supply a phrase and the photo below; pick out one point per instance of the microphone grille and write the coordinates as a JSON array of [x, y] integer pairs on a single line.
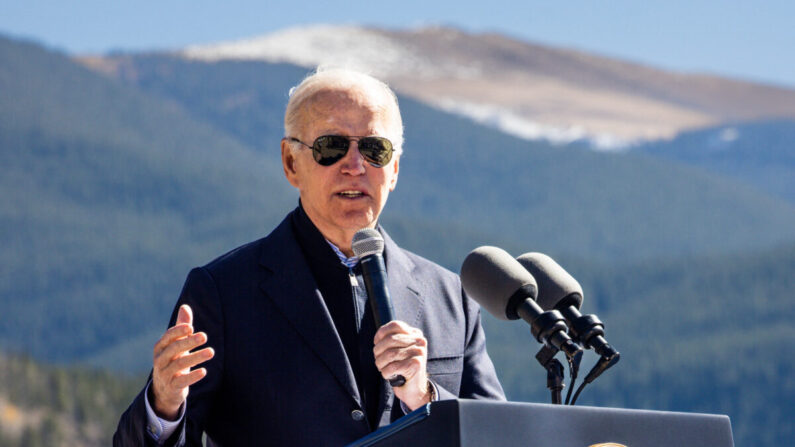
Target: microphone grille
[[556, 287], [491, 276], [367, 241]]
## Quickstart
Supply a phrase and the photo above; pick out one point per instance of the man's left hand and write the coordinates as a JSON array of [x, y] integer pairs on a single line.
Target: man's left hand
[[402, 350]]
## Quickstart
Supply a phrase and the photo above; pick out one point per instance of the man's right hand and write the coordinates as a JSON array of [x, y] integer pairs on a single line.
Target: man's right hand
[[171, 373]]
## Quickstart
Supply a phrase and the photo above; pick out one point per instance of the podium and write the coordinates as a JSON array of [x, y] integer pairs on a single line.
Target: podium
[[471, 423]]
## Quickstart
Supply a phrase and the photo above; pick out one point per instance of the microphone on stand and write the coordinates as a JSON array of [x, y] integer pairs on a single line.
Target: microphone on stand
[[559, 290], [368, 246], [497, 281]]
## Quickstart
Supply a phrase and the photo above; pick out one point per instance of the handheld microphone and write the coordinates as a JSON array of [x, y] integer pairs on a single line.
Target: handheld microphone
[[368, 246], [559, 290], [497, 281]]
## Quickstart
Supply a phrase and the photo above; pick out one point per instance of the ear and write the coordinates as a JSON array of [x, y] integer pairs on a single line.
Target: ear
[[396, 167], [288, 163]]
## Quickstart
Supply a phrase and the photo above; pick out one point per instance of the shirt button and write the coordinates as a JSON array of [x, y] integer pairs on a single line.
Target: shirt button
[[357, 415]]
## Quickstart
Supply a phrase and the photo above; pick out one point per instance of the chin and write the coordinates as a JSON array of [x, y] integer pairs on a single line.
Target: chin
[[358, 220]]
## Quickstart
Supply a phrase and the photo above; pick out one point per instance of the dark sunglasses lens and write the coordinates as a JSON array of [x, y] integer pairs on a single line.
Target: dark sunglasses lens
[[376, 150], [330, 149]]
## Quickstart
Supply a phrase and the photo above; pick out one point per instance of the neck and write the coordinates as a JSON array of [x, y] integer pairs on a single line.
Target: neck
[[340, 237], [342, 241]]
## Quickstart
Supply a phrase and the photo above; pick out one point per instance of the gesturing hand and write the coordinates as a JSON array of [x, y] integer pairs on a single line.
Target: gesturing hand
[[171, 374], [402, 349]]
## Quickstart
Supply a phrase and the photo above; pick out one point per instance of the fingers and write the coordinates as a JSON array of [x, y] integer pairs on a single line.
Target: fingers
[[397, 334], [172, 363], [191, 360], [396, 355], [178, 348], [188, 379], [393, 327], [403, 350], [173, 333], [408, 367], [185, 315], [399, 349]]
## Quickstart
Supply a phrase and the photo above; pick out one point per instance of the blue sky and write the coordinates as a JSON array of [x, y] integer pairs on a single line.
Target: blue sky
[[745, 39]]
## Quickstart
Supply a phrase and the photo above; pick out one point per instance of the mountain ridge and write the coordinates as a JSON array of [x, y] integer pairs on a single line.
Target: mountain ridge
[[95, 211], [528, 90], [760, 153], [99, 228], [481, 165]]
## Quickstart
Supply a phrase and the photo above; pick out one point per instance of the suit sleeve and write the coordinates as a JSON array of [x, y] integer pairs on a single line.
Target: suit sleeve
[[132, 430], [201, 294]]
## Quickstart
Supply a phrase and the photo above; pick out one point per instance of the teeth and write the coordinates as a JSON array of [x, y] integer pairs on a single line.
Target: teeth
[[350, 193]]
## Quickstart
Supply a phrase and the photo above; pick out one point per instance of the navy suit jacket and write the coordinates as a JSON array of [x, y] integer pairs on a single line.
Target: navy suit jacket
[[280, 375]]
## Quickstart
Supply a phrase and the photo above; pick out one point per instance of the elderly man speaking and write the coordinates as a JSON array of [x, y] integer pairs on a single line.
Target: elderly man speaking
[[273, 343]]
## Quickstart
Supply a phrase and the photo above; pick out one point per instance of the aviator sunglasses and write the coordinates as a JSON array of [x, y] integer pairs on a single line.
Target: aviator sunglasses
[[329, 149]]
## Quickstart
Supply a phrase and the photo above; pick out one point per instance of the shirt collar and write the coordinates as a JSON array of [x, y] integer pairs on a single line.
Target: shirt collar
[[346, 261], [317, 246]]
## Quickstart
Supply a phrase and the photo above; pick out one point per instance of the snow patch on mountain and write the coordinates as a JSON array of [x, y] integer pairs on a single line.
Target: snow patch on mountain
[[331, 45], [514, 124], [398, 62], [722, 139], [729, 134]]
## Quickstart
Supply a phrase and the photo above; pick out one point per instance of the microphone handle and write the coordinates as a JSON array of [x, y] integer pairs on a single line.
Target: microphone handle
[[374, 273]]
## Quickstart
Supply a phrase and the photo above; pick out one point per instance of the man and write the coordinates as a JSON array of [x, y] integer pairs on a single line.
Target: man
[[293, 356]]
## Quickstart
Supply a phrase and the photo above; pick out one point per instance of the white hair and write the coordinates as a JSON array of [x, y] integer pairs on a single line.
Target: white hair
[[343, 79]]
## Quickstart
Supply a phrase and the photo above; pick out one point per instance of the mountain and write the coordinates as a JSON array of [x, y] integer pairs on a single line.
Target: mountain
[[112, 187], [113, 191], [564, 200], [760, 153], [529, 90]]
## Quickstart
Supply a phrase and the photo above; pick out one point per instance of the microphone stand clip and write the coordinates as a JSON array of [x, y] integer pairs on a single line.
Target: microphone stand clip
[[546, 357]]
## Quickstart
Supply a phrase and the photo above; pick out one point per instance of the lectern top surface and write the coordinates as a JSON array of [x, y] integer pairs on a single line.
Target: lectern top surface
[[476, 423]]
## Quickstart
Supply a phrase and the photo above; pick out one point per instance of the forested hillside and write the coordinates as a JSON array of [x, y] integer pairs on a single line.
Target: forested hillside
[[111, 188], [46, 406], [760, 153], [98, 180]]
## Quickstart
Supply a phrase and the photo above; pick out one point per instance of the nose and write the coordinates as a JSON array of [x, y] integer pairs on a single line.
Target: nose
[[353, 162]]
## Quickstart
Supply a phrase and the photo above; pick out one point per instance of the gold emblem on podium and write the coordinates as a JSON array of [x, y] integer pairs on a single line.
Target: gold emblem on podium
[[608, 444]]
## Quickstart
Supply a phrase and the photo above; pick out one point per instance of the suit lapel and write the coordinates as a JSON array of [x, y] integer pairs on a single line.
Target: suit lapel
[[292, 289], [406, 302], [406, 298]]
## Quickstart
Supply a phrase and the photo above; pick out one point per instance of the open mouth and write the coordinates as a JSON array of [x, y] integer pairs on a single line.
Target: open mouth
[[351, 194]]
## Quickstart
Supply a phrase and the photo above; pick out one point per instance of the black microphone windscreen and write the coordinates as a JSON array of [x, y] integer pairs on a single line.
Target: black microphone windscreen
[[367, 241], [491, 276], [554, 283]]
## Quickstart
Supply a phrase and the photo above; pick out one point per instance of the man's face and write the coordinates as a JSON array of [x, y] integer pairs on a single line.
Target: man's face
[[350, 194]]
